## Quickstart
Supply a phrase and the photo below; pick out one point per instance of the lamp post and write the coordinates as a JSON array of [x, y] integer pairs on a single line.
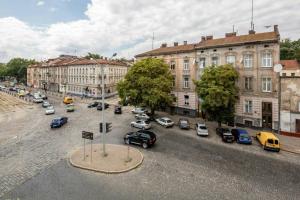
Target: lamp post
[[103, 108]]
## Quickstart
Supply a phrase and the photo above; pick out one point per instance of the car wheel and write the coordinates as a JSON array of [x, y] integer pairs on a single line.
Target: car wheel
[[127, 141], [145, 145], [132, 125]]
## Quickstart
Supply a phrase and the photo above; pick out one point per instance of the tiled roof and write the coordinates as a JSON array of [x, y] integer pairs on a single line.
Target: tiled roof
[[212, 43], [290, 64]]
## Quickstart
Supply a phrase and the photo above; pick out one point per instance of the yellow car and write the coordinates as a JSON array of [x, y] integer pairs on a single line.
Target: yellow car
[[68, 100], [22, 93], [268, 140]]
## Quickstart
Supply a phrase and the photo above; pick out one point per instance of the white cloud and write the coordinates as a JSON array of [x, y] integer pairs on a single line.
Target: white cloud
[[126, 26], [53, 9], [40, 3]]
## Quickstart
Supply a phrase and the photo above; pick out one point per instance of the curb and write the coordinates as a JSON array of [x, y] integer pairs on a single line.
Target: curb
[[111, 171]]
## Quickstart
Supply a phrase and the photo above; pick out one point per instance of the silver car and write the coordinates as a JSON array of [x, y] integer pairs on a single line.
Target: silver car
[[164, 121], [142, 116], [138, 110], [201, 129], [50, 110], [141, 124]]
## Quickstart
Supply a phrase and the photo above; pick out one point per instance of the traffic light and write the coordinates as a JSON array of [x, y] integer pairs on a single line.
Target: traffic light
[[108, 127]]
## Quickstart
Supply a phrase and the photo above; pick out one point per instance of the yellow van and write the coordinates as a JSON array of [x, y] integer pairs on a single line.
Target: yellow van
[[268, 140], [68, 100]]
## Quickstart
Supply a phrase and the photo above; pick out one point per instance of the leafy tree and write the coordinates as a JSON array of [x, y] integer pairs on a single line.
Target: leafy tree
[[290, 50], [147, 83], [3, 70], [218, 91], [17, 67], [93, 56]]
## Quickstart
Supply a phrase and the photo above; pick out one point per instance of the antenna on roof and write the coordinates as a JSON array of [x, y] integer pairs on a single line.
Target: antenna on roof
[[252, 24], [233, 28], [153, 40]]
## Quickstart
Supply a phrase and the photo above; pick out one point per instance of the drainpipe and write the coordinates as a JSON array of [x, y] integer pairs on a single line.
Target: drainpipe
[[279, 102]]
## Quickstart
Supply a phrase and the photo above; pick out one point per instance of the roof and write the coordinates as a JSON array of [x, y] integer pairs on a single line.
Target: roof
[[68, 61], [213, 43], [290, 64]]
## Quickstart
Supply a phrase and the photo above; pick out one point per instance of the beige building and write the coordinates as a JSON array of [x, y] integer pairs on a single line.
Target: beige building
[[290, 98], [253, 55], [78, 76]]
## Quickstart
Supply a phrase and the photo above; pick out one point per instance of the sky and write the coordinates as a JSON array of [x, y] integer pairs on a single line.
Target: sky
[[42, 29]]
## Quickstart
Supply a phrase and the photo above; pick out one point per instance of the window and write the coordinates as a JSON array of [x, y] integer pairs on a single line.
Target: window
[[266, 84], [186, 83], [214, 60], [230, 59], [248, 106], [174, 81], [186, 65], [266, 59], [202, 63], [248, 83], [172, 65], [248, 60], [186, 100]]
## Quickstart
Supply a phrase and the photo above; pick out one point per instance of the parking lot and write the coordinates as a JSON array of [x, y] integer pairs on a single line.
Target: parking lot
[[181, 165]]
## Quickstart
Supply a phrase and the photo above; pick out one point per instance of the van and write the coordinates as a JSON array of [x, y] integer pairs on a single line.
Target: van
[[269, 141], [68, 100]]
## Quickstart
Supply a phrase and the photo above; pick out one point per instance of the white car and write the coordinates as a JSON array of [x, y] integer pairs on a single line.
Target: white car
[[50, 110], [142, 116], [141, 124], [164, 121], [201, 129], [37, 100], [138, 110]]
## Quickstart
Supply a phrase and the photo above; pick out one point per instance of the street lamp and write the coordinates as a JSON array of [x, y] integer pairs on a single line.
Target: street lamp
[[103, 94]]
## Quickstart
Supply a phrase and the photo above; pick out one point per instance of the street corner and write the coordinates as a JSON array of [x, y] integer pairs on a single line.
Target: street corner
[[118, 159]]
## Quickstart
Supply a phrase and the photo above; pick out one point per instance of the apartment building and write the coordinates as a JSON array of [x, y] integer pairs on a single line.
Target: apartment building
[[78, 76], [290, 98], [253, 55]]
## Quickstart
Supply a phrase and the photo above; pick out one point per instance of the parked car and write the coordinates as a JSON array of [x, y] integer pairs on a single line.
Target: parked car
[[226, 134], [58, 122], [45, 104], [184, 123], [141, 124], [21, 93], [118, 110], [201, 129], [142, 116], [241, 136], [268, 140], [94, 104], [44, 97], [70, 108], [99, 107], [164, 121], [37, 100], [142, 137], [138, 110], [68, 100], [50, 110]]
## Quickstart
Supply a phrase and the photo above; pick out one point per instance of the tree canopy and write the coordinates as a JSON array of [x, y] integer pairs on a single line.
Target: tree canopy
[[16, 67], [218, 92], [92, 55], [147, 83], [290, 50]]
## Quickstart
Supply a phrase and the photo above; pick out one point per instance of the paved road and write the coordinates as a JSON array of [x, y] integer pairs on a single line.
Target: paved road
[[179, 166]]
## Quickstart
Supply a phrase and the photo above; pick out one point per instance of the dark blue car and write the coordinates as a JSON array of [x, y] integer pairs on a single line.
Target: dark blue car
[[241, 136], [58, 122]]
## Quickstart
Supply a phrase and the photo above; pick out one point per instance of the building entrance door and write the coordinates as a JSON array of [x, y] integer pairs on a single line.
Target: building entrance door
[[297, 125], [267, 115]]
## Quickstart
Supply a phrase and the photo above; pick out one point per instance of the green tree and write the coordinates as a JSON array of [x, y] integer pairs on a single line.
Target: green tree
[[92, 55], [218, 92], [3, 70], [17, 67], [147, 83], [290, 50]]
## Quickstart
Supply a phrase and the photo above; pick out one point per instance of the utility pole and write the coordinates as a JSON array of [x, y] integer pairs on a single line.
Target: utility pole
[[252, 24]]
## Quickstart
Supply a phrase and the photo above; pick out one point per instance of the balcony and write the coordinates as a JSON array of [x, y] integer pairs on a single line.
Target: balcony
[[186, 72]]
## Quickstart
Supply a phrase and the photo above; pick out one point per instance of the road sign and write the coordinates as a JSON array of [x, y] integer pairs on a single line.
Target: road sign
[[87, 135], [108, 127]]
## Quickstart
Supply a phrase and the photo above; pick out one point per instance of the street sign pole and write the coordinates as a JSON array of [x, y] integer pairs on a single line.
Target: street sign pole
[[91, 150], [83, 149], [103, 120]]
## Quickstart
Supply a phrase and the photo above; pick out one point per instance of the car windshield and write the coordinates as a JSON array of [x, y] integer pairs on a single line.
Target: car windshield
[[55, 120], [50, 107], [168, 121], [244, 136], [184, 122], [203, 127]]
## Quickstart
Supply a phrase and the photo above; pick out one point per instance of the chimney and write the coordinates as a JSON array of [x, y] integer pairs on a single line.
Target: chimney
[[276, 30], [232, 34], [175, 44], [184, 42], [209, 37], [163, 45], [251, 32], [202, 38], [105, 58]]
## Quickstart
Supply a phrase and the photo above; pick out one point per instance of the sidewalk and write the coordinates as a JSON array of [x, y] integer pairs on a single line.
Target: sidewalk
[[289, 144]]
